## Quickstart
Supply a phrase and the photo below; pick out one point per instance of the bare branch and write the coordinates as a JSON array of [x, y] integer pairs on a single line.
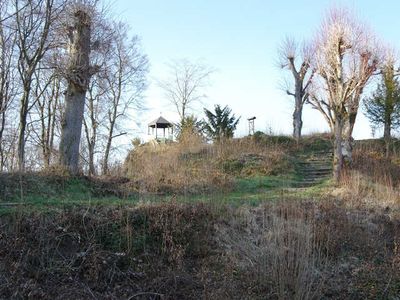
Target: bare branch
[[184, 85]]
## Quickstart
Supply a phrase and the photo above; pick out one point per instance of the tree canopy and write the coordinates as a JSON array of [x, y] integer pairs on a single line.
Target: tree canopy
[[220, 124], [383, 107]]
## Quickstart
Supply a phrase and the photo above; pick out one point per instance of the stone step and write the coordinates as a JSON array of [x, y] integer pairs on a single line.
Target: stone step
[[317, 162], [306, 173], [309, 158], [313, 178], [314, 168], [305, 170]]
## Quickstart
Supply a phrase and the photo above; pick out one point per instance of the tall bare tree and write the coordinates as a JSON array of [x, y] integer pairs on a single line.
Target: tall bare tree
[[33, 19], [8, 86], [185, 84], [95, 103], [46, 93], [92, 120], [298, 61], [346, 58], [78, 74], [125, 79]]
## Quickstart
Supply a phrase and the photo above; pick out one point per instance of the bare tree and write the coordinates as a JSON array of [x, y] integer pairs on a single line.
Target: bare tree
[[125, 79], [33, 21], [47, 91], [95, 103], [78, 74], [185, 83], [346, 58], [298, 62], [93, 118], [7, 75]]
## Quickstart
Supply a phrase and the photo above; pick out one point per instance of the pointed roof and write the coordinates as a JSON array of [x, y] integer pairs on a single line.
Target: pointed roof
[[160, 122]]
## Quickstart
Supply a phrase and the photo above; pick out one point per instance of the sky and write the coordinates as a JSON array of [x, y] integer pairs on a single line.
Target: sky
[[239, 39]]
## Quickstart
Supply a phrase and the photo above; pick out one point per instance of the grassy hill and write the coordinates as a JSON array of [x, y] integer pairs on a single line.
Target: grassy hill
[[254, 218]]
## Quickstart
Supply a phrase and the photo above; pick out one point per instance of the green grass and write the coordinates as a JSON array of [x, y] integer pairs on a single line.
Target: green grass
[[78, 193]]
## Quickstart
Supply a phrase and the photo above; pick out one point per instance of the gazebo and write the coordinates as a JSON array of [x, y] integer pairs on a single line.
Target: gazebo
[[162, 123]]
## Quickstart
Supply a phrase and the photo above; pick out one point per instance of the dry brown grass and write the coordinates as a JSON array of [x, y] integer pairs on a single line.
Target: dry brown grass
[[360, 190], [193, 166], [275, 247], [283, 250], [374, 179]]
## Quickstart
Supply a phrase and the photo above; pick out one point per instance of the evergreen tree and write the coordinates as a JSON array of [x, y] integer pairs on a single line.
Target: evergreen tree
[[383, 107], [220, 124], [188, 127]]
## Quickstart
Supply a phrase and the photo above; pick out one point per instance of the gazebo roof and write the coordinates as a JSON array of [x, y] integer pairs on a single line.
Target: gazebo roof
[[160, 122]]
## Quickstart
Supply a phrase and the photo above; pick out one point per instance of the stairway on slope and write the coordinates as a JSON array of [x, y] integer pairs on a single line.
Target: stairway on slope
[[313, 168]]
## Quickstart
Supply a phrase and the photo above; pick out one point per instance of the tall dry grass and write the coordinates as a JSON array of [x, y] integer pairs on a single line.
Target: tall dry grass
[[277, 248], [193, 166], [374, 178]]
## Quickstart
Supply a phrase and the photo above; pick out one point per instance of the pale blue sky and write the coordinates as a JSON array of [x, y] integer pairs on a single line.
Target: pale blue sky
[[240, 40]]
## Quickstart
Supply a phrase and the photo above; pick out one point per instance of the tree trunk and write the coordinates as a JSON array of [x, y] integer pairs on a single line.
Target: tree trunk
[[387, 131], [2, 126], [71, 128], [52, 123], [387, 135], [347, 142], [92, 169], [78, 77], [107, 155], [297, 118], [91, 140], [109, 141], [23, 113], [337, 154]]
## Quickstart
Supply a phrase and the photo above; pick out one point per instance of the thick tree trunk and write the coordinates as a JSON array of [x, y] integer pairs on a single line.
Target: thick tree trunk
[[78, 77], [337, 154], [71, 128], [297, 119], [387, 135], [348, 141]]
